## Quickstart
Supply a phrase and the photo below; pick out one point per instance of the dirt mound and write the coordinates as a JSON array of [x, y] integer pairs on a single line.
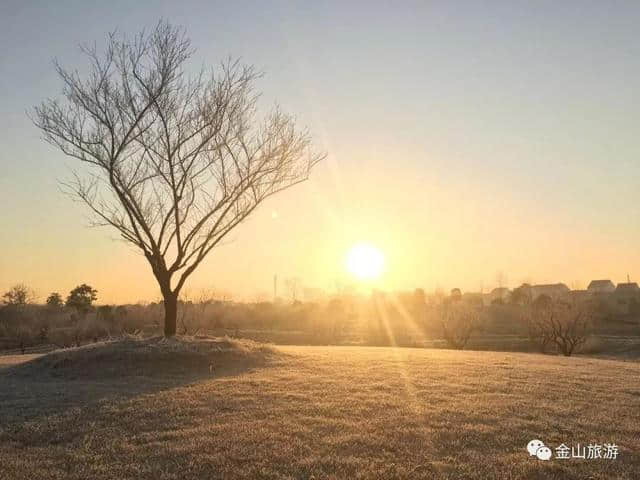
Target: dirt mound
[[149, 357]]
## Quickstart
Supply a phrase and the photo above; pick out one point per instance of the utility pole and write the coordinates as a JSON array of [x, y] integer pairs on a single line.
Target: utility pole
[[275, 288]]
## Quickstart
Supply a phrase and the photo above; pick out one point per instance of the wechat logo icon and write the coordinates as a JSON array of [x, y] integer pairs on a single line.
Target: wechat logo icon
[[537, 448]]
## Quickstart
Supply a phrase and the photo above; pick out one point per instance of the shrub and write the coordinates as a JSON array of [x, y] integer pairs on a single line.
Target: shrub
[[458, 321]]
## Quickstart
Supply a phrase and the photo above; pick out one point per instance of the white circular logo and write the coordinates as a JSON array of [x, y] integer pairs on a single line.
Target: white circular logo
[[533, 446], [543, 453], [538, 449]]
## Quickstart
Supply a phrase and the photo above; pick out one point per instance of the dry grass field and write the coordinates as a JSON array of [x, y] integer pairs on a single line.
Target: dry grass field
[[156, 411]]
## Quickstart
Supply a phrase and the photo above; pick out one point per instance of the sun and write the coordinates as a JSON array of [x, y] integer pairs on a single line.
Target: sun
[[365, 261]]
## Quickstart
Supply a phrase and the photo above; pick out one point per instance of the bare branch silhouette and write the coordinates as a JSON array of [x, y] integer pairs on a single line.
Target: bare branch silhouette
[[458, 321], [564, 324], [173, 162]]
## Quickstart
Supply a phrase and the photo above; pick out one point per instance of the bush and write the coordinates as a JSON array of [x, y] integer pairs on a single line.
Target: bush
[[459, 320], [565, 325]]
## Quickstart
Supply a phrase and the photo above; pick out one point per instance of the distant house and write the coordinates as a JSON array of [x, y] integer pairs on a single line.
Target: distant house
[[626, 290], [552, 290], [601, 286], [577, 296], [626, 298]]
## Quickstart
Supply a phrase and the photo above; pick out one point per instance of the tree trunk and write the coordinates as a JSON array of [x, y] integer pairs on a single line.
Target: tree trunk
[[170, 314]]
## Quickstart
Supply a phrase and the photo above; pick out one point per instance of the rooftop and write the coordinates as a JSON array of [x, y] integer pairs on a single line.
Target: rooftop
[[626, 287]]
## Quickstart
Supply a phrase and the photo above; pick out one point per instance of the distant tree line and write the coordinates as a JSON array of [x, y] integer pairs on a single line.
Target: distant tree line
[[403, 319], [58, 322]]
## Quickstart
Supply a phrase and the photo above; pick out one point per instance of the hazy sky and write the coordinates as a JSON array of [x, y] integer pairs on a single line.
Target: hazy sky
[[464, 138]]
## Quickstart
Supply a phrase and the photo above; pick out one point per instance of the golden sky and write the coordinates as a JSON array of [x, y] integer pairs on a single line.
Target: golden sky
[[461, 142]]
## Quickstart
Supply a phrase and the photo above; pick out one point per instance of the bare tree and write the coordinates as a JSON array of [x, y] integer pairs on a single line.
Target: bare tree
[[192, 311], [570, 325], [564, 324], [458, 321], [173, 162], [538, 327], [19, 295]]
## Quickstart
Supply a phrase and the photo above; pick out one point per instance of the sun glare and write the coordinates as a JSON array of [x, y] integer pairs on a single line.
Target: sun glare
[[365, 261]]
